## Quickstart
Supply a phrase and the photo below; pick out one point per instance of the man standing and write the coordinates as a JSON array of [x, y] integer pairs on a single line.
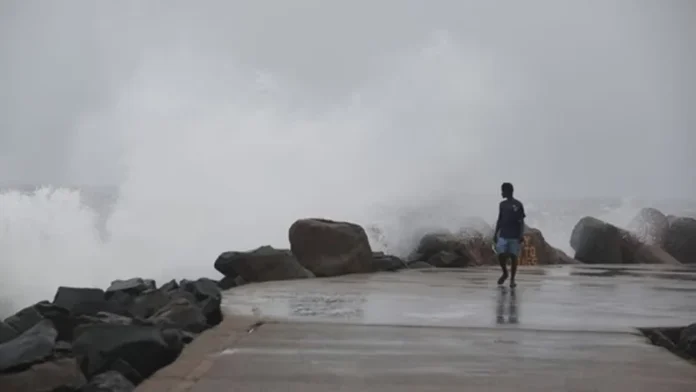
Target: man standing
[[509, 232]]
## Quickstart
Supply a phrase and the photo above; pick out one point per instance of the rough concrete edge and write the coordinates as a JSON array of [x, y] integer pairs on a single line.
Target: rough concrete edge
[[657, 337], [197, 357]]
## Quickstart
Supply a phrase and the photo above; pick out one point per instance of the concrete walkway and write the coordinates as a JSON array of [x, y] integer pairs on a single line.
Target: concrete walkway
[[562, 329]]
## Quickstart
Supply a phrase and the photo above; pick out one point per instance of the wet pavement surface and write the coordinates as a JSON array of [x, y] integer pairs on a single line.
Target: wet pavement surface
[[569, 328], [558, 298]]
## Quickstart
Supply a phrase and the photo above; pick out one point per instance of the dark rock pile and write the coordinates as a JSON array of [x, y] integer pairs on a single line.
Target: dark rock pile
[[679, 340], [319, 248], [651, 238], [471, 249], [324, 248], [90, 339]]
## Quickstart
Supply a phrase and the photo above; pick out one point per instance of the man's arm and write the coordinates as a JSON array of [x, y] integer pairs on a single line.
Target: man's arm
[[522, 216], [497, 223]]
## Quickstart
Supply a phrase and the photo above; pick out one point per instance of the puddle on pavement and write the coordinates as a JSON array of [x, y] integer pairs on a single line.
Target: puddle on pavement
[[334, 306]]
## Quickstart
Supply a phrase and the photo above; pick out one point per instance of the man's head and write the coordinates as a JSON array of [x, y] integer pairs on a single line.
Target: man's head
[[507, 190]]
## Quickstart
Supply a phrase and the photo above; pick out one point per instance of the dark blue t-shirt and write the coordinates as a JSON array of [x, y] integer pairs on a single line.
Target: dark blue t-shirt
[[511, 219]]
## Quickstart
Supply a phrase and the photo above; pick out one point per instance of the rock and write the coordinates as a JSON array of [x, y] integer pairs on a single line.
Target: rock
[[419, 265], [563, 258], [7, 333], [170, 286], [536, 251], [649, 226], [58, 374], [62, 320], [447, 259], [649, 254], [146, 304], [227, 283], [687, 340], [84, 301], [62, 349], [110, 381], [383, 262], [144, 348], [34, 345], [330, 248], [106, 318], [207, 296], [181, 314], [261, 265], [454, 251], [24, 319], [598, 242], [680, 240], [132, 287]]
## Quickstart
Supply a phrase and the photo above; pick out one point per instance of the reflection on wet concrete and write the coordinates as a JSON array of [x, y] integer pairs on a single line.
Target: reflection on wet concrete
[[507, 306], [334, 306], [560, 298]]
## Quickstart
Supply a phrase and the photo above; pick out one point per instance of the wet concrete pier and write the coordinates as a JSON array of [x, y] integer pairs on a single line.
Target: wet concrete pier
[[569, 328]]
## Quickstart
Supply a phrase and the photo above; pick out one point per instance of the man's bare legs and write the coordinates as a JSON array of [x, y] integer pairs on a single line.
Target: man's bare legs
[[513, 270], [502, 258]]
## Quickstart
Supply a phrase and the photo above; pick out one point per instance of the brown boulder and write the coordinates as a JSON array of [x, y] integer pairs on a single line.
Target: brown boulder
[[598, 242], [261, 265], [330, 248], [680, 240], [536, 251]]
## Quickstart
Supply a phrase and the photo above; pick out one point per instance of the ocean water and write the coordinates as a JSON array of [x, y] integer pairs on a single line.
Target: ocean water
[[52, 236]]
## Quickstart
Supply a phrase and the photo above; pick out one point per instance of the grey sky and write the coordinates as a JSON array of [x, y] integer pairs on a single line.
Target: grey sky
[[561, 97]]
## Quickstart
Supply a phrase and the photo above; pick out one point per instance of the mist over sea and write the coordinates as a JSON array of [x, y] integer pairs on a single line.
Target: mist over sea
[[53, 236], [145, 138]]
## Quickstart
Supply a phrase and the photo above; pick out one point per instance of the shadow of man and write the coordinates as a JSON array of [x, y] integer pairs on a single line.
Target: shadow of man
[[507, 298]]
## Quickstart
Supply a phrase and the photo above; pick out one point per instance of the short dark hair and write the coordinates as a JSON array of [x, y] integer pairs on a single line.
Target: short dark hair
[[507, 188]]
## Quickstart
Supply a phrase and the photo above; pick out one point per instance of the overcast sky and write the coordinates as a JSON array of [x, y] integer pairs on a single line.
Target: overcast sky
[[560, 97]]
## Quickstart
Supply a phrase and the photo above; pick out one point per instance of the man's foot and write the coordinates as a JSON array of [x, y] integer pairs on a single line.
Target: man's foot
[[503, 278], [513, 284]]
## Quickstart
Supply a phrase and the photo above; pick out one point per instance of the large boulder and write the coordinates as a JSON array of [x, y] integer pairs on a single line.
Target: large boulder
[[680, 240], [33, 346], [7, 333], [536, 251], [206, 295], [85, 301], [131, 287], [25, 319], [55, 375], [330, 248], [261, 265], [649, 226], [100, 348], [598, 242], [180, 313], [687, 340], [149, 302]]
